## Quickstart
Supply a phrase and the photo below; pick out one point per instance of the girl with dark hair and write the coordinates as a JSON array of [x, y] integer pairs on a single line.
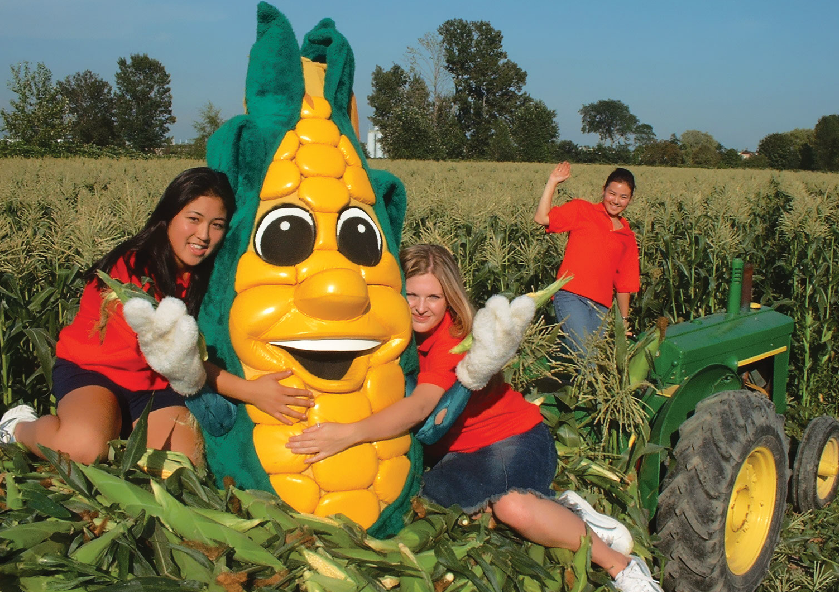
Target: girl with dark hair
[[498, 456], [104, 375], [601, 254]]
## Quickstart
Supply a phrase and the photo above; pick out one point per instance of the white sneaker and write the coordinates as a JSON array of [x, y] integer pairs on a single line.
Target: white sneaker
[[10, 419], [636, 577], [607, 529]]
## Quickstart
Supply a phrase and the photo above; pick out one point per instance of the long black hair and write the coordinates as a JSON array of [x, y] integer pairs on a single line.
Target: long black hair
[[153, 256]]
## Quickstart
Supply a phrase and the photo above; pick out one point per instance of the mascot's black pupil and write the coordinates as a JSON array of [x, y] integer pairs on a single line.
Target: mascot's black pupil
[[358, 238], [285, 236]]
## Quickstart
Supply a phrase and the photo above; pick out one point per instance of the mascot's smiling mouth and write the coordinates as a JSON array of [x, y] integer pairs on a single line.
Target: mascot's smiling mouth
[[328, 359]]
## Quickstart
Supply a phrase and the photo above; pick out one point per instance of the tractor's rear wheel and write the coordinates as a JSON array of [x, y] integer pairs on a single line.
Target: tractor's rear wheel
[[720, 512], [815, 473]]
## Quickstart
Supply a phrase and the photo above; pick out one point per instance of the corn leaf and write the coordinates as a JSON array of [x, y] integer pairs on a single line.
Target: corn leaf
[[131, 499], [136, 445], [193, 526], [24, 536]]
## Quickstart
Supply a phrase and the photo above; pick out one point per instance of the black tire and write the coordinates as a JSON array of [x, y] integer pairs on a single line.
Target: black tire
[[720, 512], [814, 473]]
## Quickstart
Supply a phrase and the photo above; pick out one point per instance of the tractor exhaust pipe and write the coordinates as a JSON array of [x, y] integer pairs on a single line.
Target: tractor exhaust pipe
[[735, 292], [740, 293]]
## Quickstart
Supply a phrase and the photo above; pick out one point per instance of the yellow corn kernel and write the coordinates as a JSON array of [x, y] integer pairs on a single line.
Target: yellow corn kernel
[[318, 131], [387, 449], [360, 505], [270, 444], [358, 184], [320, 160], [346, 147], [298, 491], [288, 147], [339, 407], [314, 107], [354, 468], [382, 386], [391, 478], [328, 194], [282, 179]]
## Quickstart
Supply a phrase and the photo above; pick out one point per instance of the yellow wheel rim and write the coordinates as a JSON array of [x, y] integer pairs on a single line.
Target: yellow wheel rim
[[750, 510], [828, 468]]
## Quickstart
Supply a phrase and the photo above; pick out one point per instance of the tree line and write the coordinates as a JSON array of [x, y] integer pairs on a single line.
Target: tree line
[[83, 110], [458, 96]]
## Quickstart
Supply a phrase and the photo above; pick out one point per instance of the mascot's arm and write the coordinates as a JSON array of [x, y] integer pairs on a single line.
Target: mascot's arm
[[324, 440], [265, 392]]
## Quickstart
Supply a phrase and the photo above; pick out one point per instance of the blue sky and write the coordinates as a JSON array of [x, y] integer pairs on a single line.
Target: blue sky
[[738, 70]]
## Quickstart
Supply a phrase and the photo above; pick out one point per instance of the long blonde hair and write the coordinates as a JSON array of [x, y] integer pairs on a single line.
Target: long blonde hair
[[439, 262]]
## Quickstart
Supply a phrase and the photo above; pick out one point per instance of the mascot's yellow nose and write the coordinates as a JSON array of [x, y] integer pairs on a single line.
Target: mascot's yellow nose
[[333, 295]]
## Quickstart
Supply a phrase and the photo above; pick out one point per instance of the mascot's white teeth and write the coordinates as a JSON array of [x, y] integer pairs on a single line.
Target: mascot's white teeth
[[329, 345]]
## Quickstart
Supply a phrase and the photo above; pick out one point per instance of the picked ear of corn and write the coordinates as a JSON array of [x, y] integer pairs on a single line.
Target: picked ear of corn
[[540, 298], [124, 291]]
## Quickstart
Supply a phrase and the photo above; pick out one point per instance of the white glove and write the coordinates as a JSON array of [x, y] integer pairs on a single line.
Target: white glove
[[168, 338], [497, 332]]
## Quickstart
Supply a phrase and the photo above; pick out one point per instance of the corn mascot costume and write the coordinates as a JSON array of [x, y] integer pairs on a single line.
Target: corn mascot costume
[[307, 280]]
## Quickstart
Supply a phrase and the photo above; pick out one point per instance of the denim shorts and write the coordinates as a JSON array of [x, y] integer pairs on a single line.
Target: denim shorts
[[472, 480], [67, 377]]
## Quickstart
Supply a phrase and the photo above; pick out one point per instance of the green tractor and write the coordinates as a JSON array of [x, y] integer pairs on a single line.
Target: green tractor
[[718, 499]]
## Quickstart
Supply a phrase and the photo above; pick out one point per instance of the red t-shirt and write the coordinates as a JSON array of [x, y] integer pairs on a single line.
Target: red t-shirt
[[601, 259], [492, 413], [118, 356]]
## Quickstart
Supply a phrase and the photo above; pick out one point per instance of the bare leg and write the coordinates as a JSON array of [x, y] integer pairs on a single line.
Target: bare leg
[[552, 525], [87, 419], [172, 428]]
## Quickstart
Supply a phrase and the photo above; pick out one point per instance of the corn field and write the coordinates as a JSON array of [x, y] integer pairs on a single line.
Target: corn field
[[58, 216]]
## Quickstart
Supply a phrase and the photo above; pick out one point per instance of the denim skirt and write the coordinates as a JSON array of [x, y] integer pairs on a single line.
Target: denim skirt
[[472, 480]]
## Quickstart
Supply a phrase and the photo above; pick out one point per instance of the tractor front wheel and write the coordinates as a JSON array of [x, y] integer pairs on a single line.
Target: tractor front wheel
[[814, 474], [720, 512]]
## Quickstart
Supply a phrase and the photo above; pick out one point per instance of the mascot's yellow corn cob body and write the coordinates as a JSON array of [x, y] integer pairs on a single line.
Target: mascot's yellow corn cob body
[[316, 290], [317, 294]]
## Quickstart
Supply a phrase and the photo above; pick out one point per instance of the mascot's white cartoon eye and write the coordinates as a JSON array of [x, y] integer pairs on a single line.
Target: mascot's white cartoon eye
[[285, 236], [359, 239]]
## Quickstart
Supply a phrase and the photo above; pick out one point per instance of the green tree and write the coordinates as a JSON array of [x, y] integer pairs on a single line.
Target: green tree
[[209, 120], [535, 132], [501, 148], [37, 116], [610, 119], [826, 143], [428, 60], [643, 134], [803, 139], [700, 148], [143, 102], [730, 159], [780, 150], [403, 112], [90, 108], [487, 85], [660, 153]]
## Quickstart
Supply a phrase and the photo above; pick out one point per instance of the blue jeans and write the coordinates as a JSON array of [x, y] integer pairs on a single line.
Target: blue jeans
[[580, 318]]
